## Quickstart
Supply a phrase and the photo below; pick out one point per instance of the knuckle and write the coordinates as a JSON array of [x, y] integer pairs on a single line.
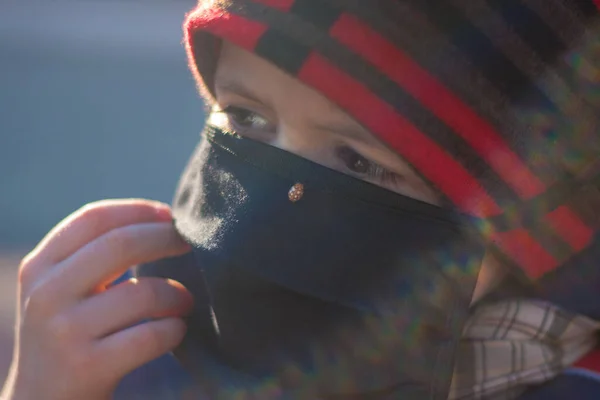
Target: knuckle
[[62, 327], [27, 260], [94, 205], [26, 268], [124, 237], [146, 295], [153, 339], [39, 300], [120, 242], [94, 214]]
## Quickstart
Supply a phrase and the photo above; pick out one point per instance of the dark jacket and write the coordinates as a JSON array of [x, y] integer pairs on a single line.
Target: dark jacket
[[574, 287], [164, 379]]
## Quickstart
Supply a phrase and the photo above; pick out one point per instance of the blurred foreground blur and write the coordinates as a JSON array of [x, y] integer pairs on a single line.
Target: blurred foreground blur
[[95, 102]]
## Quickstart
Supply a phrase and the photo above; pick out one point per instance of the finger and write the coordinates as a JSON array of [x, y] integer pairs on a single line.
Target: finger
[[131, 302], [133, 347], [94, 220], [109, 256]]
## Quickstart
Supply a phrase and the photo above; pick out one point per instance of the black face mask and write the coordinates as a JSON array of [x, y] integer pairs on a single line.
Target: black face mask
[[311, 284]]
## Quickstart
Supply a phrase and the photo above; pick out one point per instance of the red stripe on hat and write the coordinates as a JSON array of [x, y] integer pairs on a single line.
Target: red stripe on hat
[[238, 30], [525, 251], [570, 227], [424, 154], [597, 3], [478, 133], [283, 5], [590, 361]]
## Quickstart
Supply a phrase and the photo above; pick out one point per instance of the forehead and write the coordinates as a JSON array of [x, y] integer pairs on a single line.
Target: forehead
[[242, 73], [240, 69]]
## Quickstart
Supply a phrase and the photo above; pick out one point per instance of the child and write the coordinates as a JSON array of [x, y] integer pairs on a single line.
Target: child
[[359, 161]]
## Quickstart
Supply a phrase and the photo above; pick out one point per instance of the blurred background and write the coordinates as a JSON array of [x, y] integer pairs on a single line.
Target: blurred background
[[95, 102]]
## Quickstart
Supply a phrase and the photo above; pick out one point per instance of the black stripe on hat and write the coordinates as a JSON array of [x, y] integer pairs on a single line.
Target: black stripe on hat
[[550, 241], [282, 51], [499, 70], [585, 7], [318, 12], [562, 17], [531, 28], [290, 54], [528, 212], [537, 227]]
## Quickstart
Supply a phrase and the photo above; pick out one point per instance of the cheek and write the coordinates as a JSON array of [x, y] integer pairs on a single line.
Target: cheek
[[416, 187], [423, 191], [420, 191], [412, 184]]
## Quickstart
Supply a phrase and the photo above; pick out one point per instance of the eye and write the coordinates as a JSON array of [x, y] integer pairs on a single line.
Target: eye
[[353, 161], [360, 166], [243, 120]]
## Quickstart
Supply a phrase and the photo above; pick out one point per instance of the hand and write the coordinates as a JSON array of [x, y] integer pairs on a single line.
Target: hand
[[76, 338]]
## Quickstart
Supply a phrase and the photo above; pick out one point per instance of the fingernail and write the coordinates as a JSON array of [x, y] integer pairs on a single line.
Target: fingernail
[[185, 298]]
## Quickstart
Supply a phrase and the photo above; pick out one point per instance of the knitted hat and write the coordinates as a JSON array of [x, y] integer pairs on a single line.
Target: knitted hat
[[494, 103]]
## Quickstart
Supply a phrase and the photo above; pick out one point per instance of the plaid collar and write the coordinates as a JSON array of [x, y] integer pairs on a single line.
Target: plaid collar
[[510, 345]]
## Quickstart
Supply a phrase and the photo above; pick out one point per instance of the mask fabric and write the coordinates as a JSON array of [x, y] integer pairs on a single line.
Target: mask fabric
[[312, 284]]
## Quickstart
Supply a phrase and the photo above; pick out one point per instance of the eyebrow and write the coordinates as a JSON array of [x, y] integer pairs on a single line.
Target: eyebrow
[[238, 88], [347, 130], [350, 131]]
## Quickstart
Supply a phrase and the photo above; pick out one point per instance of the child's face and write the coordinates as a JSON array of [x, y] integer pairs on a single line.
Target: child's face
[[259, 101]]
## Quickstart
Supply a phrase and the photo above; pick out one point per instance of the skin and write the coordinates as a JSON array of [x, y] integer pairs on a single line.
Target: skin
[[258, 100]]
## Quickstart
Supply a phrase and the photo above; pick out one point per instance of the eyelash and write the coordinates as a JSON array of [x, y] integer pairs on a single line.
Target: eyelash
[[355, 163], [362, 167], [236, 114]]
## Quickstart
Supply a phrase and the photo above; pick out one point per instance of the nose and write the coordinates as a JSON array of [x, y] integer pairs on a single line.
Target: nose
[[302, 142]]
